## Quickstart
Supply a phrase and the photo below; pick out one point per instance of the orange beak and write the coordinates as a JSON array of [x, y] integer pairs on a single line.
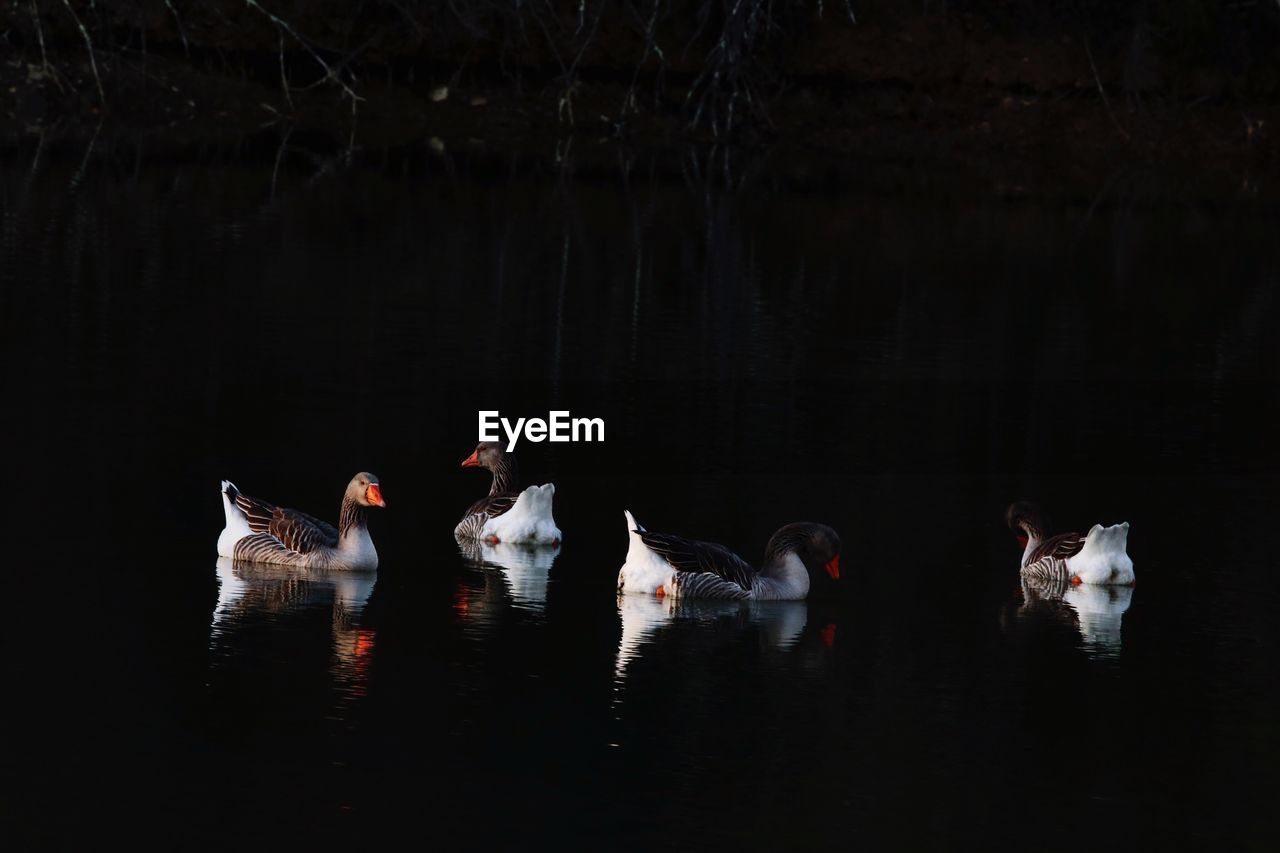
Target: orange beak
[[373, 494], [472, 461], [833, 567]]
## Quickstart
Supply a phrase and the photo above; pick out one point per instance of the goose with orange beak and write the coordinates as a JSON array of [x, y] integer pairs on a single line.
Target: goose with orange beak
[[507, 514], [260, 532], [1097, 557], [663, 564]]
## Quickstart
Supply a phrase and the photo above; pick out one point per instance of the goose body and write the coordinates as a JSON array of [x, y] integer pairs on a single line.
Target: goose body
[[662, 564], [507, 514], [1098, 557], [260, 532]]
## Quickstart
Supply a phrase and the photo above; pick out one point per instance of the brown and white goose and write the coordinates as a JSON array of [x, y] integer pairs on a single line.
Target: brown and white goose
[[507, 514], [662, 564], [260, 532], [1098, 557]]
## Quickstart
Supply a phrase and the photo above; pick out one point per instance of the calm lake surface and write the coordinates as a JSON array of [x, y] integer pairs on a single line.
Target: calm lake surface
[[879, 348]]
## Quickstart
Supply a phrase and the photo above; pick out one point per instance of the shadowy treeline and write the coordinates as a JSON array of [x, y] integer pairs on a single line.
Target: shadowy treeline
[[714, 65]]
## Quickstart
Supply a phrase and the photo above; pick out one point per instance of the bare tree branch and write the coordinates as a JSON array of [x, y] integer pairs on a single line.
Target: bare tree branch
[[330, 73], [93, 62], [1106, 102]]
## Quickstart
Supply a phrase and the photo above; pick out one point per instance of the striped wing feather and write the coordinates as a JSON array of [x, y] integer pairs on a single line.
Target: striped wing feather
[[264, 548], [493, 505], [1046, 570], [296, 530], [687, 555], [1058, 547]]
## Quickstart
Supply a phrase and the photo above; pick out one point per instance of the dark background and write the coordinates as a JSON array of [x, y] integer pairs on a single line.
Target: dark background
[[1064, 88], [881, 349]]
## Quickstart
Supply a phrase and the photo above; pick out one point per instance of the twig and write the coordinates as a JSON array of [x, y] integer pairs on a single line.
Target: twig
[[330, 73], [279, 156], [650, 46], [1106, 102], [93, 63], [44, 59], [84, 163], [284, 79], [35, 161], [181, 30]]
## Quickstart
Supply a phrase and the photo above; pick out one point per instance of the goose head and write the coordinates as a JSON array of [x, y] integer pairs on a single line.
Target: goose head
[[815, 544], [488, 454], [365, 490], [1026, 521]]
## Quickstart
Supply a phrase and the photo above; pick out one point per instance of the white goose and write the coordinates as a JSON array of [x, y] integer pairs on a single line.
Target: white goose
[[507, 514], [260, 532], [1098, 557], [662, 564]]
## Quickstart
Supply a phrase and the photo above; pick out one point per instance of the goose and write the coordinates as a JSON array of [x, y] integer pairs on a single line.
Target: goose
[[507, 514], [1098, 557], [260, 532], [662, 564]]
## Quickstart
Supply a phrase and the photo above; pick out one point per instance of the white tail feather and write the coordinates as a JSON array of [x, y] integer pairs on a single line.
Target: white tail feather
[[643, 571], [636, 549], [237, 526], [529, 521], [1104, 558]]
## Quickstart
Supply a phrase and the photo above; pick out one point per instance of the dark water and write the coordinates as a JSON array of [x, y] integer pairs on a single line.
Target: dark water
[[879, 351]]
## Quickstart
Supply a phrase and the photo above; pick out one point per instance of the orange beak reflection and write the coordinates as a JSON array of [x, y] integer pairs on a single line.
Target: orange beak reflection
[[373, 495], [833, 567], [472, 461]]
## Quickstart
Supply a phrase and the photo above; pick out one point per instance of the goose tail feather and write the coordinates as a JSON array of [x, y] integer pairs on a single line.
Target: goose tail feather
[[1104, 558], [237, 526]]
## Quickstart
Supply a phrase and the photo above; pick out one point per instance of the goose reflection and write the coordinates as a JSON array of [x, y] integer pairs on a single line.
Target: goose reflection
[[525, 568], [1095, 611], [1100, 610], [251, 593], [780, 623]]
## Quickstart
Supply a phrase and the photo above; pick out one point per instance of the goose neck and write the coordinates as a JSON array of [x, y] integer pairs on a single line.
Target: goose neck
[[352, 517], [506, 476]]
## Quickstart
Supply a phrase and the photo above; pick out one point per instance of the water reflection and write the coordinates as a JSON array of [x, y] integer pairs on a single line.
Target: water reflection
[[526, 569], [249, 594], [780, 623], [1095, 611], [1100, 609]]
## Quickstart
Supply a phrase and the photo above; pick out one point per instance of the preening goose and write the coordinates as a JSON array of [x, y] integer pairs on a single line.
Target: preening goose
[[1098, 557], [662, 564], [507, 514], [260, 532]]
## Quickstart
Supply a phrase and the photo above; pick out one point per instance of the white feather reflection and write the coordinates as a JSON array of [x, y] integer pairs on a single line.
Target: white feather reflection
[[249, 593], [1100, 610], [780, 622], [526, 569], [1095, 611]]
